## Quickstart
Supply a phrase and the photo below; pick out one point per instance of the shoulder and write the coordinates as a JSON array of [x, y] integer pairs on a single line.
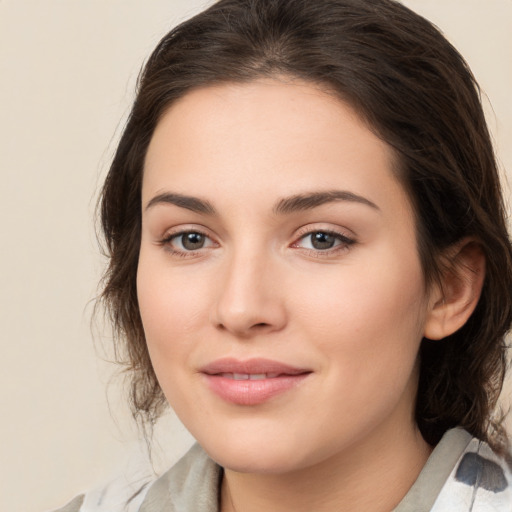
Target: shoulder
[[74, 505], [480, 480], [191, 484], [462, 474]]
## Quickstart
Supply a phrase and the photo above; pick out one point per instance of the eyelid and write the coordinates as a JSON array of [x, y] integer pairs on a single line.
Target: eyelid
[[319, 227], [181, 230], [173, 232], [346, 239]]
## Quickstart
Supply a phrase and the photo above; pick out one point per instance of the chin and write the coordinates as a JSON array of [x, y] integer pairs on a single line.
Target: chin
[[255, 463], [263, 455]]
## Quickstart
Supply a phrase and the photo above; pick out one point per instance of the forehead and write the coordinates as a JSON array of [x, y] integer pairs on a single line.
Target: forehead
[[265, 138]]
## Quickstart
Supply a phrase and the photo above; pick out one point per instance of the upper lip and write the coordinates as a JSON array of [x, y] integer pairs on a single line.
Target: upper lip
[[251, 366]]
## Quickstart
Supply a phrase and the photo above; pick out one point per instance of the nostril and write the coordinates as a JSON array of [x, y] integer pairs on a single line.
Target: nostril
[[261, 325], [241, 319]]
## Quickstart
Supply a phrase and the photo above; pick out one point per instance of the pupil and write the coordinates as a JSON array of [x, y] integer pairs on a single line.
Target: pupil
[[193, 241], [321, 240]]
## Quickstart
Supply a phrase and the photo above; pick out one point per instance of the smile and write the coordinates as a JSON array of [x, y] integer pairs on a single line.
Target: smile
[[249, 376], [251, 382]]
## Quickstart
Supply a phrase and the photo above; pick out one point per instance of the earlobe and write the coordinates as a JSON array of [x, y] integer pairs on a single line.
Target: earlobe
[[455, 297]]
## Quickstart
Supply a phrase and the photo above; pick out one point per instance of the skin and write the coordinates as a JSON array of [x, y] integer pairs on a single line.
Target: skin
[[354, 314]]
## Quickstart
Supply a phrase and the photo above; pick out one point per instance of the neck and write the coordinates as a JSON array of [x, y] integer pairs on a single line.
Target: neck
[[374, 475]]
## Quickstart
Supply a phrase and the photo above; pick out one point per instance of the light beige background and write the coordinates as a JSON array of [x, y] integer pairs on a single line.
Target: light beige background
[[68, 69]]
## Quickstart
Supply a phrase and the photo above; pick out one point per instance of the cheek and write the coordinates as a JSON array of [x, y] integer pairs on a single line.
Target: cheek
[[369, 315], [174, 315], [172, 309], [367, 326]]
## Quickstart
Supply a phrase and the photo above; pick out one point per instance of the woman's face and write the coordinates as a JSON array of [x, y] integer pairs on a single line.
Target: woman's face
[[279, 283]]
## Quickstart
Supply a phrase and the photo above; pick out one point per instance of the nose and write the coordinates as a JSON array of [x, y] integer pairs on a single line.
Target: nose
[[250, 298]]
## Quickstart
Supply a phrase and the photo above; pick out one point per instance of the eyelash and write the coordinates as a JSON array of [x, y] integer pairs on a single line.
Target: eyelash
[[344, 243], [166, 243]]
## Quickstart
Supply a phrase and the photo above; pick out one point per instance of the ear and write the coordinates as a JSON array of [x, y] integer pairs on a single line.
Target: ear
[[454, 298]]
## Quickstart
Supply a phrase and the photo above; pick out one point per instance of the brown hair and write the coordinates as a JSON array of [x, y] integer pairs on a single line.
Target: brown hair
[[416, 93]]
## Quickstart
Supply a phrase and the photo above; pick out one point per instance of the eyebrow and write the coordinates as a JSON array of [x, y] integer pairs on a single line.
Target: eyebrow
[[311, 200], [299, 202], [190, 203]]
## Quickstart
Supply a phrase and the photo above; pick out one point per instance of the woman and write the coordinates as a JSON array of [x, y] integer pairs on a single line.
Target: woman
[[309, 262]]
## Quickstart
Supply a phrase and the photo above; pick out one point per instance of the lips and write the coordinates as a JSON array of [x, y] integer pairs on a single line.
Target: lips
[[251, 382], [249, 376]]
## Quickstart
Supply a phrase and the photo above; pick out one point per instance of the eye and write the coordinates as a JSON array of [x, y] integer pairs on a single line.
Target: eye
[[323, 241], [191, 241], [188, 241]]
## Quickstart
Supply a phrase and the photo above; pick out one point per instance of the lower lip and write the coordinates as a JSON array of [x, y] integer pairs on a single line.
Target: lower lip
[[252, 392]]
